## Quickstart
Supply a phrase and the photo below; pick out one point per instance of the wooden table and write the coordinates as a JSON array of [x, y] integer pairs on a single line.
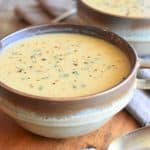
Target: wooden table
[[13, 137]]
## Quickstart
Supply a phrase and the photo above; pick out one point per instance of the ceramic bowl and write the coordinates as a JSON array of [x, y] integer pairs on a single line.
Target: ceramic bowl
[[68, 117], [135, 30]]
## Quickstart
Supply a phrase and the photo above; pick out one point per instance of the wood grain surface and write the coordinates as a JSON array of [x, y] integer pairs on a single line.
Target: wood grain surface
[[13, 137]]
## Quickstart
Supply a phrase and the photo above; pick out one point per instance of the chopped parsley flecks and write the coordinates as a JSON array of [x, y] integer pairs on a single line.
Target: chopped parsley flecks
[[40, 88], [45, 66]]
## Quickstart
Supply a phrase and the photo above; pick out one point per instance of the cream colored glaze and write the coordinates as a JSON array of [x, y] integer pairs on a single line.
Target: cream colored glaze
[[131, 8], [63, 65]]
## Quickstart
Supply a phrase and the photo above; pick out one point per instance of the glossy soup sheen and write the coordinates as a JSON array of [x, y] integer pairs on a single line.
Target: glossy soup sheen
[[131, 8], [62, 65]]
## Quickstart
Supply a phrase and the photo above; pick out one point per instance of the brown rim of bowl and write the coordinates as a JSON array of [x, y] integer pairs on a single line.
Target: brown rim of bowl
[[76, 98], [90, 8]]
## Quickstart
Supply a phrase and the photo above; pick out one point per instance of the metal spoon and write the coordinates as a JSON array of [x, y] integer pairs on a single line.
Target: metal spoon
[[64, 15], [136, 140]]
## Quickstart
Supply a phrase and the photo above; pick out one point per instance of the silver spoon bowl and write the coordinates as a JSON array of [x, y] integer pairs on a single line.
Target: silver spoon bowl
[[136, 140]]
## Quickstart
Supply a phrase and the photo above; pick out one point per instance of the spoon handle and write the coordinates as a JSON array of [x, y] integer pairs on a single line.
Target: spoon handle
[[64, 16]]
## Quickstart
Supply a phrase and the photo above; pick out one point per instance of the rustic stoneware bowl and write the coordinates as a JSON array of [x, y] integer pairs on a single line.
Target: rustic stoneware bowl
[[66, 117], [136, 30]]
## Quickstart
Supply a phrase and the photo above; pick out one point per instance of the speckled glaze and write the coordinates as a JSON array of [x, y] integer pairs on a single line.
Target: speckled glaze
[[135, 30], [68, 117]]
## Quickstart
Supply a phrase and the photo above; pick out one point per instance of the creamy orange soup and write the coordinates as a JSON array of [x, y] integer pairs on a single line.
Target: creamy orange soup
[[62, 65], [131, 8]]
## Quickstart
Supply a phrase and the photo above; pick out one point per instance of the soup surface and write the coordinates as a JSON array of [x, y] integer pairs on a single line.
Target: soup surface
[[131, 8], [62, 65]]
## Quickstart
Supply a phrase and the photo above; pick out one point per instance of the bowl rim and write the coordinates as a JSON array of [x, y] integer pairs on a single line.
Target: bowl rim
[[75, 98], [100, 12]]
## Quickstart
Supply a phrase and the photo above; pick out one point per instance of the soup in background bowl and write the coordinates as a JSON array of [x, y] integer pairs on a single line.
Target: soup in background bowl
[[66, 80], [123, 8]]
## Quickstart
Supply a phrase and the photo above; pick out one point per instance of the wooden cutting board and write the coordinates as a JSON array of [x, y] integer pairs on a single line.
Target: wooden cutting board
[[13, 137]]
